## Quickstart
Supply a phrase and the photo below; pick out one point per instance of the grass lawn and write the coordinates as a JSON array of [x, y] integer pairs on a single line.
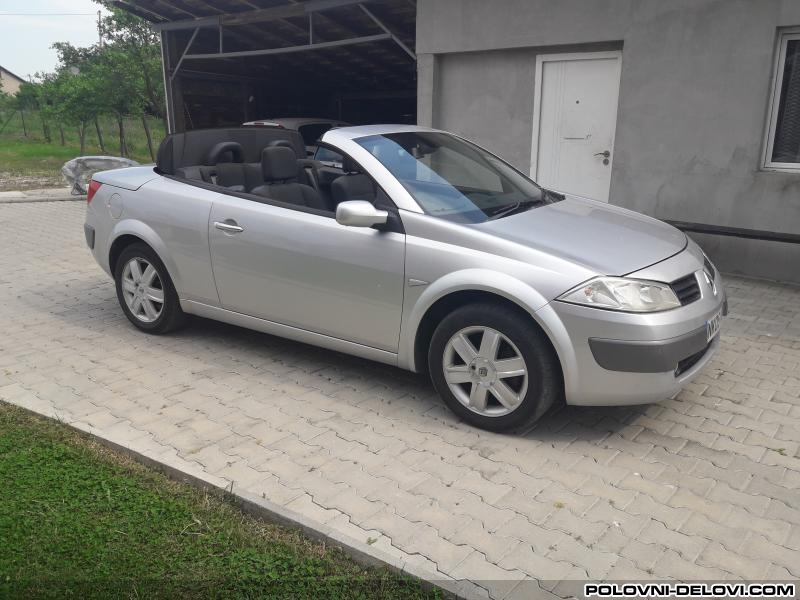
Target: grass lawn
[[28, 162], [80, 521]]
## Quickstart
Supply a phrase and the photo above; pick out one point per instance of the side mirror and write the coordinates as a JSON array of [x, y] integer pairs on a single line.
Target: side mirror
[[360, 213]]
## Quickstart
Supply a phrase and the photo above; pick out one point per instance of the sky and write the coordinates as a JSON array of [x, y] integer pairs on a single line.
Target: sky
[[25, 39]]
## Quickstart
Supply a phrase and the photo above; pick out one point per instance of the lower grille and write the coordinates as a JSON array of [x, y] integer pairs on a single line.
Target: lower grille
[[686, 289], [690, 361]]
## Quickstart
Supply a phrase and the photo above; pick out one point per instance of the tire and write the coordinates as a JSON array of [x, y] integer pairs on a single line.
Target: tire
[[511, 337], [151, 316]]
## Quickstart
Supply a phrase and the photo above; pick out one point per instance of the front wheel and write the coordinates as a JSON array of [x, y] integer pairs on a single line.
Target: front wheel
[[493, 367], [145, 291]]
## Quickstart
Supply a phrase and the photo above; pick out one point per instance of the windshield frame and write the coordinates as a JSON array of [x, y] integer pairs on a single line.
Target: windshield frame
[[542, 198]]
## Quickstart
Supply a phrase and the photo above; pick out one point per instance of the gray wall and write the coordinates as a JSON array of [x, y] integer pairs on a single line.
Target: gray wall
[[696, 80]]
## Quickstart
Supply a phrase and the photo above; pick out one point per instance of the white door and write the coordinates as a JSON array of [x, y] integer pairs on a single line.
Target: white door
[[574, 119]]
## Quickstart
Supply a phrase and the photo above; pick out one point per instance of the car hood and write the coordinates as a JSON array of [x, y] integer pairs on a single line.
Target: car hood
[[606, 239]]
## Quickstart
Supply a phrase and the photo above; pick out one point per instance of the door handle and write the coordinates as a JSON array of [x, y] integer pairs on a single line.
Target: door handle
[[228, 227], [604, 154]]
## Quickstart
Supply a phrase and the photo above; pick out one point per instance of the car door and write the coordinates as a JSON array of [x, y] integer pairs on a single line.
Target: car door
[[301, 268]]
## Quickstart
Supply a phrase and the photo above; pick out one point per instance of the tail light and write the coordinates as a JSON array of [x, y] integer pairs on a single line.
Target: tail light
[[93, 187]]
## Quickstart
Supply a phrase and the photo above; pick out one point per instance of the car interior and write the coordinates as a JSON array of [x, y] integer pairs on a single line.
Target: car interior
[[263, 163]]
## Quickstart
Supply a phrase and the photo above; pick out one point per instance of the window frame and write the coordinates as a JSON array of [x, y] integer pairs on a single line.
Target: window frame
[[779, 69], [422, 209]]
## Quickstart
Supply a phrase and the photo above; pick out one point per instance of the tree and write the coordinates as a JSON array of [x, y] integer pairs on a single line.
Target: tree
[[79, 103], [27, 98], [134, 36], [50, 106], [7, 109], [79, 87], [120, 76], [126, 69], [122, 92]]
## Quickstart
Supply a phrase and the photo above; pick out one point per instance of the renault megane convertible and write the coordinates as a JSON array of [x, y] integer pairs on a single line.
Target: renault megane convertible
[[423, 251]]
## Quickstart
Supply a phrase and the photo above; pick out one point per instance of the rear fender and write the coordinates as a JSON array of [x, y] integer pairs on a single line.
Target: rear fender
[[148, 235]]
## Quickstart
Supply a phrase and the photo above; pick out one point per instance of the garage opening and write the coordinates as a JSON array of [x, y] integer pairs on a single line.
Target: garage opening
[[227, 62]]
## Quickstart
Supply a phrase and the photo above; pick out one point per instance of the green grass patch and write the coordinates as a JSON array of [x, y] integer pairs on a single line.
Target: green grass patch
[[29, 161], [80, 521]]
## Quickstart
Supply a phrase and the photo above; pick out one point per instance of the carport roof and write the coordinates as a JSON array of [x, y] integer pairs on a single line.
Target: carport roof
[[362, 43]]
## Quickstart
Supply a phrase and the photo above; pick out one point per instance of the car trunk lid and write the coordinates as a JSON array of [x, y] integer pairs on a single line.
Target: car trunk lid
[[129, 178]]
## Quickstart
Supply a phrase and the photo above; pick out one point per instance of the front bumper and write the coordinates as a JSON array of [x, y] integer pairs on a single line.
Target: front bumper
[[615, 358], [653, 356]]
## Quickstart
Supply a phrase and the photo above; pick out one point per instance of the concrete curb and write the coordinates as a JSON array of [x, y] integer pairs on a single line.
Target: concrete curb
[[41, 195], [262, 508], [38, 200]]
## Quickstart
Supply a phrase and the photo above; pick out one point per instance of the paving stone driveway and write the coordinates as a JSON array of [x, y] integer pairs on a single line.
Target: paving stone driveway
[[703, 486]]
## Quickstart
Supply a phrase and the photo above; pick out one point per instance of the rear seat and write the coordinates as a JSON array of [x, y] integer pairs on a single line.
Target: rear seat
[[224, 167], [231, 176], [215, 161], [201, 173]]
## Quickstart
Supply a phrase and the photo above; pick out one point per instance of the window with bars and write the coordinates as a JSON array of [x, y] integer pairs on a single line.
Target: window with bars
[[782, 150]]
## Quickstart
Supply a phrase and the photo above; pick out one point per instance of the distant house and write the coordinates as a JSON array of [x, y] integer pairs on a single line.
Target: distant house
[[9, 83]]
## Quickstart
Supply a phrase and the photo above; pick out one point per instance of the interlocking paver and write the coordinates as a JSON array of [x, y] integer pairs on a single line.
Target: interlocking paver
[[704, 485]]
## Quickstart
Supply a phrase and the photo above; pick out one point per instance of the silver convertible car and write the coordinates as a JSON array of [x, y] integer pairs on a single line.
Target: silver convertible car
[[423, 251]]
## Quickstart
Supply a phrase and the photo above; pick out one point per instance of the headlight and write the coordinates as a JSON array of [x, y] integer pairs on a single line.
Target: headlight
[[619, 293]]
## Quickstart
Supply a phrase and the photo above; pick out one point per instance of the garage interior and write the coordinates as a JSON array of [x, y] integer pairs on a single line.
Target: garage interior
[[231, 61]]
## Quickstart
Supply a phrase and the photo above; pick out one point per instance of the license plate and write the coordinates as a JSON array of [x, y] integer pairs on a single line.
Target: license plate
[[712, 326]]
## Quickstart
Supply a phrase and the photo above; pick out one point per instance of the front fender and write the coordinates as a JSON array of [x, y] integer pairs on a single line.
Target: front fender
[[483, 280], [148, 235]]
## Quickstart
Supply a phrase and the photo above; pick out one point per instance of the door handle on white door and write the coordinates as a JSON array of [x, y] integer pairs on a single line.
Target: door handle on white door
[[228, 227], [605, 153]]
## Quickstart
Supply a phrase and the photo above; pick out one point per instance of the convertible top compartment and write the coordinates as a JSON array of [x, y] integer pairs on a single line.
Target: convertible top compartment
[[129, 178], [192, 148]]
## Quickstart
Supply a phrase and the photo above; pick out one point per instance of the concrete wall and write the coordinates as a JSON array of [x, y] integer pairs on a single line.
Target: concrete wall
[[696, 81]]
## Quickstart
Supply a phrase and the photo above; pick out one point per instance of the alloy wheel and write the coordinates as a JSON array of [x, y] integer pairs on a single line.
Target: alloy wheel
[[485, 371], [142, 290]]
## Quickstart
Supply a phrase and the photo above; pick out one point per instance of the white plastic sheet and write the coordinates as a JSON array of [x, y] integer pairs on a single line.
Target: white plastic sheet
[[79, 171]]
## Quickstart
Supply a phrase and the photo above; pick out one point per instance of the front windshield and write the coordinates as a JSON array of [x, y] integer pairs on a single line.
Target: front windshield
[[452, 178]]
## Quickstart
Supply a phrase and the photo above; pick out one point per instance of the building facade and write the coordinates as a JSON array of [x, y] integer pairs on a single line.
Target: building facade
[[686, 110]]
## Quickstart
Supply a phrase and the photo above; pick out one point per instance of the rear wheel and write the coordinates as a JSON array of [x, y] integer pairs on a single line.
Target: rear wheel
[[493, 367], [145, 291]]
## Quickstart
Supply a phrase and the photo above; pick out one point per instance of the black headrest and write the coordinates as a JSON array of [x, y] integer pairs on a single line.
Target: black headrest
[[219, 150], [283, 144], [350, 166], [353, 187], [278, 163]]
